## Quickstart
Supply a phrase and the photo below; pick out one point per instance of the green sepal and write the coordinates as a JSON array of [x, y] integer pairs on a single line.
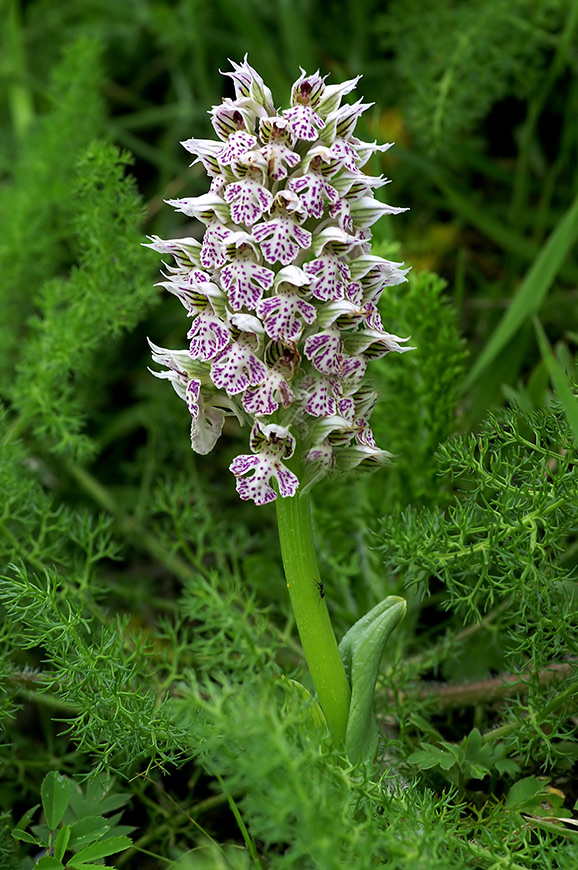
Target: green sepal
[[361, 650]]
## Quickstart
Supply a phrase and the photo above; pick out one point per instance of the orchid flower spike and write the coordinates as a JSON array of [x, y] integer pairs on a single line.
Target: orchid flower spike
[[282, 290]]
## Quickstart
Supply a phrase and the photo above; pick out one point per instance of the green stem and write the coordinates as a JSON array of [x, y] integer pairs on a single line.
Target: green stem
[[311, 614]]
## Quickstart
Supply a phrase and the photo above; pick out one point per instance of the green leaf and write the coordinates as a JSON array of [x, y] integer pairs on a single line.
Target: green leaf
[[559, 380], [47, 862], [472, 770], [430, 756], [479, 756], [25, 837], [88, 830], [526, 794], [100, 850], [55, 793], [26, 818], [507, 767], [531, 292], [61, 842], [361, 650]]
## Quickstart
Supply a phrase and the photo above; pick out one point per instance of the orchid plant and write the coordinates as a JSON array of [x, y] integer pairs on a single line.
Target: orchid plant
[[282, 292]]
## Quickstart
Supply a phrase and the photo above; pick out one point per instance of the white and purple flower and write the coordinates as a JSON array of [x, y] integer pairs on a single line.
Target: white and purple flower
[[282, 290]]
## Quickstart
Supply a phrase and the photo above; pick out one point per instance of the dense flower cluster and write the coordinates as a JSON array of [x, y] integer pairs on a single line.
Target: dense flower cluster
[[283, 289]]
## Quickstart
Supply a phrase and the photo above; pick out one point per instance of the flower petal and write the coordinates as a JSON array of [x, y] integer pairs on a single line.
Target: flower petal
[[245, 282], [281, 238], [236, 368], [209, 335]]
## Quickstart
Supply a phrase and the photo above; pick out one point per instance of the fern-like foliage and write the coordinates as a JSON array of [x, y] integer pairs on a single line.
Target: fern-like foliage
[[504, 535], [417, 408], [37, 201], [99, 670], [106, 293], [502, 556]]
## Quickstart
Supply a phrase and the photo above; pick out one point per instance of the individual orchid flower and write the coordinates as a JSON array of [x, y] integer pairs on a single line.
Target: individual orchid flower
[[283, 291]]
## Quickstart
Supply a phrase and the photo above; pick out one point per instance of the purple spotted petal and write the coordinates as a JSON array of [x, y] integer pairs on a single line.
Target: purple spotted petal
[[264, 399], [354, 293], [341, 212], [282, 315], [249, 200], [213, 250], [314, 191], [364, 433], [245, 282], [324, 350], [256, 487], [236, 368], [287, 481], [353, 371], [279, 157], [304, 122], [321, 393], [345, 154], [281, 238], [209, 335], [235, 146], [373, 317], [330, 276], [192, 396], [346, 408], [321, 459]]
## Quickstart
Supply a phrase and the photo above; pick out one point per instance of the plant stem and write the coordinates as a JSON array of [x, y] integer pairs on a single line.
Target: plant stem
[[311, 614]]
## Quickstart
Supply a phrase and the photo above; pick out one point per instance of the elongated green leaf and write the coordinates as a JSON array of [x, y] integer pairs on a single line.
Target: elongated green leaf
[[24, 836], [55, 793], [531, 292], [559, 380], [361, 650], [26, 818], [61, 842], [99, 850]]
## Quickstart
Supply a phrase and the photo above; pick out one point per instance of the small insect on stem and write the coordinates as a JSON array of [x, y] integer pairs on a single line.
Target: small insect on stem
[[320, 588]]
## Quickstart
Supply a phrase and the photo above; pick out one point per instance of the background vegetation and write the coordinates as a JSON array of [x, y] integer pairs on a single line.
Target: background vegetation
[[146, 627]]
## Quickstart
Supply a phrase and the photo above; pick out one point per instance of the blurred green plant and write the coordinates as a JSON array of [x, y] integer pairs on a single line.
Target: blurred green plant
[[74, 822]]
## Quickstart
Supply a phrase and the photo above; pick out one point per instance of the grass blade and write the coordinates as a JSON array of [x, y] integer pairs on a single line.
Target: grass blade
[[532, 291], [559, 380]]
